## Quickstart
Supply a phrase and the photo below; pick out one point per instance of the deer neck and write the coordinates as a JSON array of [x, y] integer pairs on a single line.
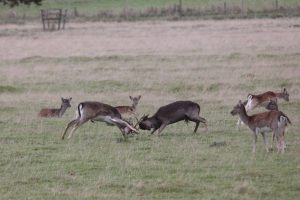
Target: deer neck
[[62, 110], [279, 95], [134, 105], [244, 117]]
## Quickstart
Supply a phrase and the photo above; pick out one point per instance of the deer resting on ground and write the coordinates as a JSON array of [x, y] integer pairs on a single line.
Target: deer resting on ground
[[52, 112]]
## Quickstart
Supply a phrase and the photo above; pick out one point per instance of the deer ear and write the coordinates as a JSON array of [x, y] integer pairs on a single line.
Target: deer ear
[[70, 98], [62, 99], [240, 102], [284, 90], [139, 97], [130, 97], [249, 97]]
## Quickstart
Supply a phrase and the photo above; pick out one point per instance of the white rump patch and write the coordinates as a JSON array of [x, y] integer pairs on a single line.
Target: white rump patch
[[282, 122], [249, 105]]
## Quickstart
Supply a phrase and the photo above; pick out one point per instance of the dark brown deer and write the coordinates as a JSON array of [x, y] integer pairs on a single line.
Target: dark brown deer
[[271, 121], [129, 110], [52, 112], [96, 111], [172, 113]]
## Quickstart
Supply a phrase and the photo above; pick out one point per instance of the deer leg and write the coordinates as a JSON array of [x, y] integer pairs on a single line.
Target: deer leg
[[254, 141], [196, 127], [278, 140], [76, 126], [281, 140], [72, 123], [161, 128], [154, 130], [265, 141], [197, 119], [124, 133]]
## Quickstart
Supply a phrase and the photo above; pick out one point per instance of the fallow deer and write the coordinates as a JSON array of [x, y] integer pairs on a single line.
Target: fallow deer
[[172, 113], [264, 99], [52, 112], [96, 111], [267, 100], [275, 121], [129, 110]]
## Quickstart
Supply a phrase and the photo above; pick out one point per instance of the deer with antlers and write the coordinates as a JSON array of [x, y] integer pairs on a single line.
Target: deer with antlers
[[97, 111], [53, 112], [267, 100], [172, 113], [270, 121]]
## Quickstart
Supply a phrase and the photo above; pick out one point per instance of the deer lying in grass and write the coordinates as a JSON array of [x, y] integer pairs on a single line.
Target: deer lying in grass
[[172, 113], [51, 112], [96, 111], [267, 100], [275, 121], [129, 110]]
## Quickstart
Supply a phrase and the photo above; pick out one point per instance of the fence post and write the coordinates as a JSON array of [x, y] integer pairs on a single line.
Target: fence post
[[126, 9], [180, 8], [242, 7]]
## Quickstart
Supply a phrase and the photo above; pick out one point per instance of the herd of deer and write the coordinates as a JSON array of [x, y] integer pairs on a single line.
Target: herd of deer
[[273, 120]]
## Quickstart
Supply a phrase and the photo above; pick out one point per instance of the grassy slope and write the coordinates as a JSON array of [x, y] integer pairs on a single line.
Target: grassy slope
[[97, 164]]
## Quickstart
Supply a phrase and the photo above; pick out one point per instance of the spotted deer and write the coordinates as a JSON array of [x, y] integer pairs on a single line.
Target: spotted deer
[[271, 121], [52, 112], [267, 100], [97, 111]]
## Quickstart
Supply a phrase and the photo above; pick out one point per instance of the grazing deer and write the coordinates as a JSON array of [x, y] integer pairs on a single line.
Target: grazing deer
[[274, 121], [172, 113], [267, 100], [129, 110], [52, 112], [96, 111]]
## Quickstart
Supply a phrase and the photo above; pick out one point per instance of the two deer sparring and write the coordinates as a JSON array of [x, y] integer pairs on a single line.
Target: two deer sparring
[[53, 112], [171, 113], [267, 100], [275, 121]]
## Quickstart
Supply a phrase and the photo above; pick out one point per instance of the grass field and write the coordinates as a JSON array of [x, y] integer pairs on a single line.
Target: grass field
[[99, 10], [214, 63]]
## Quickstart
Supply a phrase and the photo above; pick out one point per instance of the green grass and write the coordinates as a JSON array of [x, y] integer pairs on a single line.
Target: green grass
[[97, 163], [92, 8]]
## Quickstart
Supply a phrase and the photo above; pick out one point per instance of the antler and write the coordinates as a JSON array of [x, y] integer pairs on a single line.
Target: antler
[[139, 121]]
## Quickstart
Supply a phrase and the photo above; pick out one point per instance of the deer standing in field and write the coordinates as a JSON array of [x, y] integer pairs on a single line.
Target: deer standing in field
[[267, 100], [172, 113], [129, 110], [52, 112], [97, 111], [270, 121]]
